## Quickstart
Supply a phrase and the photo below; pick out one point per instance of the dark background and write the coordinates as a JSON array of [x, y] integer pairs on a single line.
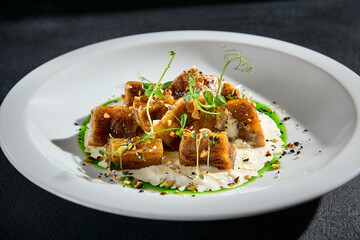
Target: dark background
[[32, 33]]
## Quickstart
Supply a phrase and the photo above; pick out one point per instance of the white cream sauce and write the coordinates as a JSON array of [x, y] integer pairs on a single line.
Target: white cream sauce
[[214, 179]]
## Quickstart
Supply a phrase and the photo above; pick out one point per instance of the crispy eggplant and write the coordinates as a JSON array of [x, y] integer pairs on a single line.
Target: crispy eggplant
[[117, 121], [144, 154], [181, 83], [170, 120], [199, 119], [157, 109], [247, 121], [227, 89], [132, 89], [222, 153]]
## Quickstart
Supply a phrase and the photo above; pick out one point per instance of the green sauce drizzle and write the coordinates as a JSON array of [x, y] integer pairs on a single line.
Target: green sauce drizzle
[[259, 106]]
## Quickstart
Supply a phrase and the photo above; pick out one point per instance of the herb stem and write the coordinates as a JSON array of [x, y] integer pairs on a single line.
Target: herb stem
[[222, 74], [208, 158], [152, 93], [204, 105], [204, 111], [197, 143]]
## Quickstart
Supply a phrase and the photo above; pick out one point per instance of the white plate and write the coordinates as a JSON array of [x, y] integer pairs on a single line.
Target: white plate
[[39, 138]]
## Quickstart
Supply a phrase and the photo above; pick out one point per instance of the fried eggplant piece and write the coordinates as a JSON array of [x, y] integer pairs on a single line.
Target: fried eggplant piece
[[144, 154], [198, 119], [132, 89], [195, 121], [157, 109], [246, 119], [181, 83], [118, 121], [227, 89], [170, 120], [222, 153]]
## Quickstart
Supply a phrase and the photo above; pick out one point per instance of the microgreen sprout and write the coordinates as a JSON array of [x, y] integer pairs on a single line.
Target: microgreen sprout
[[150, 90], [203, 134], [182, 121], [245, 64], [213, 102], [194, 94]]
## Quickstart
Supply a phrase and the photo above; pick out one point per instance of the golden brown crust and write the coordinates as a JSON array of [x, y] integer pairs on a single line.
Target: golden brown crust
[[198, 119], [181, 83], [157, 109], [222, 153], [249, 128], [132, 89], [118, 121], [144, 154], [170, 120]]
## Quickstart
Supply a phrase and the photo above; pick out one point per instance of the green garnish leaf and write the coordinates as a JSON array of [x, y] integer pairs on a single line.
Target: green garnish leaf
[[112, 166], [205, 135], [102, 152], [149, 90], [187, 97], [179, 132], [184, 117], [171, 53], [219, 100], [192, 79], [193, 135], [165, 85], [209, 97], [158, 93], [140, 156], [201, 176], [197, 92], [145, 86], [212, 142], [143, 79]]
